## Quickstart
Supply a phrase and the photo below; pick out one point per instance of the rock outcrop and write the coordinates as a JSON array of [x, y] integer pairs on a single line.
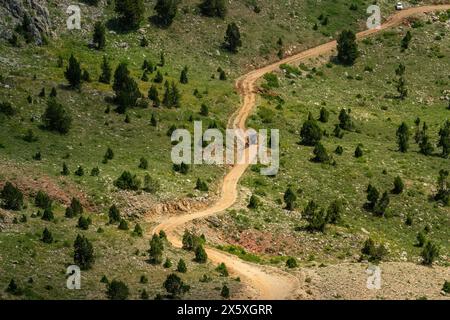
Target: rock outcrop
[[14, 12]]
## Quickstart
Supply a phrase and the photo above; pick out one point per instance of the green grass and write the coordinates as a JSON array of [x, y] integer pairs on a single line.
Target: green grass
[[195, 42], [241, 253]]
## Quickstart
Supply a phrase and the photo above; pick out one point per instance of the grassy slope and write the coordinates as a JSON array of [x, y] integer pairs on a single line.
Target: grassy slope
[[193, 41], [118, 255], [377, 118]]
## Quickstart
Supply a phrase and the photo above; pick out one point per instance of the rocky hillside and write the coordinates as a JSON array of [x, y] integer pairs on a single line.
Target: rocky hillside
[[32, 16]]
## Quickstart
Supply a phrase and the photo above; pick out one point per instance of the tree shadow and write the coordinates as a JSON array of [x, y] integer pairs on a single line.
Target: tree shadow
[[114, 24], [156, 21]]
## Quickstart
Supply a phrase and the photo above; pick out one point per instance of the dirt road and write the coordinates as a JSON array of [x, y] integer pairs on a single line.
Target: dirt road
[[269, 283]]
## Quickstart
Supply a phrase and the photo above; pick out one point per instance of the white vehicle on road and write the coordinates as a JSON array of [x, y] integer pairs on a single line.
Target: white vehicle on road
[[399, 6]]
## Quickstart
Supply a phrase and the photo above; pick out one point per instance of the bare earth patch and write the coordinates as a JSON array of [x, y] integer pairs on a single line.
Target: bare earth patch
[[399, 280]]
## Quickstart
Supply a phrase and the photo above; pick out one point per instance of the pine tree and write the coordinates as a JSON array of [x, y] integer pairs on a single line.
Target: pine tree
[[162, 60], [200, 254], [372, 252], [114, 214], [334, 212], [117, 290], [213, 8], [175, 286], [131, 13], [403, 137], [156, 250], [53, 93], [99, 36], [381, 206], [430, 253], [443, 188], [47, 236], [153, 95], [201, 185], [358, 152], [73, 73], [339, 150], [426, 147], [345, 120], [310, 133], [347, 47], [65, 169], [309, 210], [11, 197], [401, 82], [74, 209], [444, 139], [95, 172], [421, 239], [126, 89], [222, 75], [291, 263], [225, 292], [123, 224], [317, 221], [80, 171], [184, 76], [406, 40], [204, 111], [83, 255], [189, 241], [446, 287], [372, 197], [109, 154], [167, 264], [42, 200], [105, 77], [222, 269], [26, 28], [398, 185], [418, 133], [166, 10], [144, 42], [289, 199], [86, 77], [159, 77], [324, 115], [13, 288], [143, 163], [232, 38], [181, 267], [84, 223], [172, 95], [138, 232], [153, 120], [145, 65], [56, 117], [320, 154], [253, 203], [145, 76], [338, 132]]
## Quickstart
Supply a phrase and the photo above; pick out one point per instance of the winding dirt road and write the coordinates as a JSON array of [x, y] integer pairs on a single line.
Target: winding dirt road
[[270, 283]]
